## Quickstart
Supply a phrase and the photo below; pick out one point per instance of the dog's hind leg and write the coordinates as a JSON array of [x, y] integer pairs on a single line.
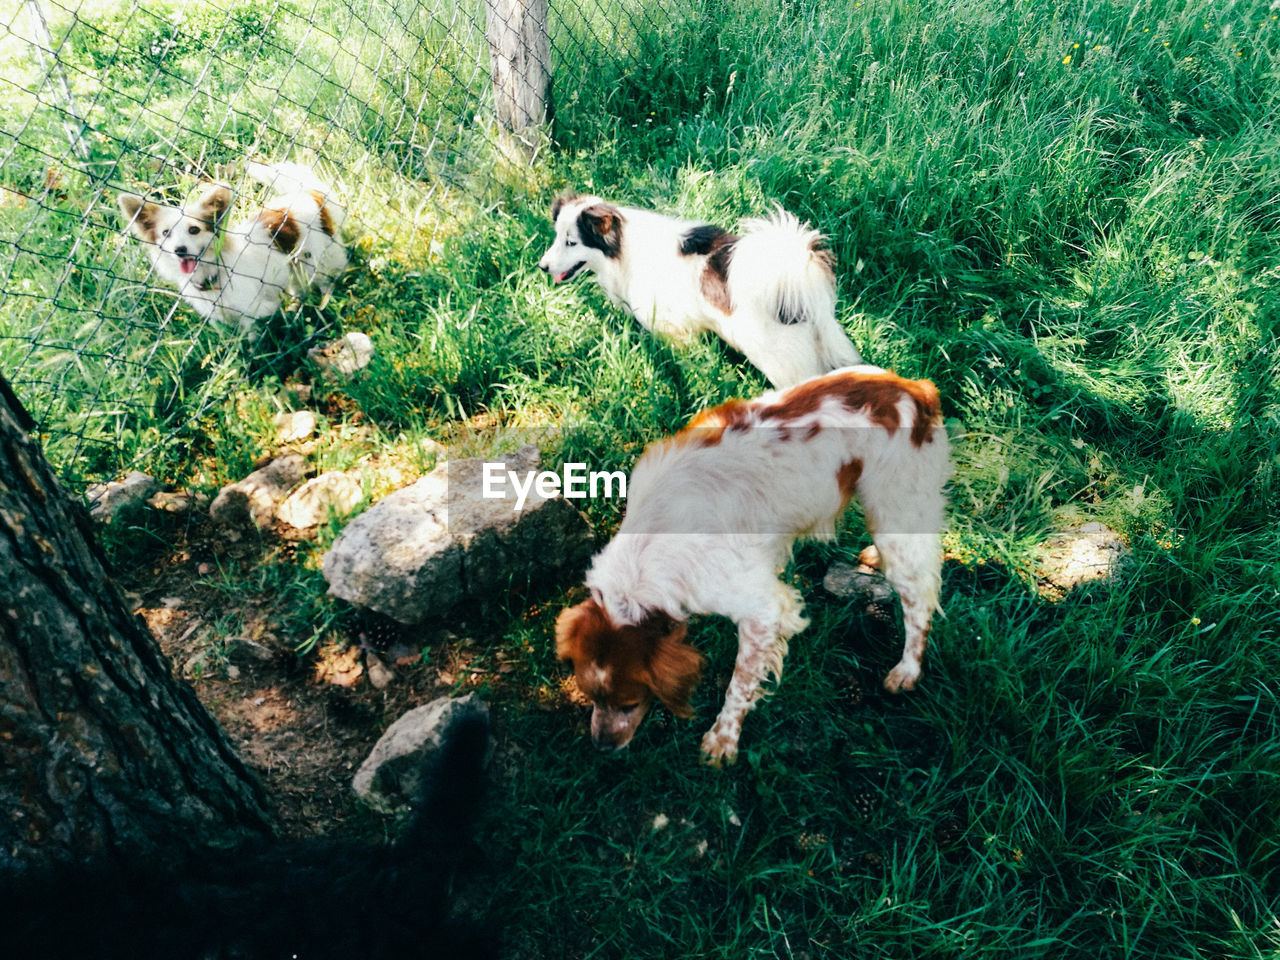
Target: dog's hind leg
[[904, 512]]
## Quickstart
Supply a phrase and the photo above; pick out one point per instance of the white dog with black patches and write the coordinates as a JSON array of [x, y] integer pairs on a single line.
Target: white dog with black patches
[[769, 293], [243, 272]]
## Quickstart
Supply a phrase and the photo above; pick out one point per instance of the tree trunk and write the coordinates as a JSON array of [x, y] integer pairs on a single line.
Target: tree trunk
[[520, 57], [101, 749]]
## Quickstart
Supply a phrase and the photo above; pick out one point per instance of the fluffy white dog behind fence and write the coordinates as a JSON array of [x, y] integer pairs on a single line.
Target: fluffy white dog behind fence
[[242, 272]]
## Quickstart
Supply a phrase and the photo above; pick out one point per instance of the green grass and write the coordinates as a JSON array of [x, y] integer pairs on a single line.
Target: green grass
[[1077, 243]]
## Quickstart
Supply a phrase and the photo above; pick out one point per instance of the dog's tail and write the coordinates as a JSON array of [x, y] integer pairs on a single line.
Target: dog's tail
[[286, 178], [785, 263]]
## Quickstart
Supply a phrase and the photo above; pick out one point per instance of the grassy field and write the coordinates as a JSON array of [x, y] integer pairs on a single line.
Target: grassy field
[[1066, 218]]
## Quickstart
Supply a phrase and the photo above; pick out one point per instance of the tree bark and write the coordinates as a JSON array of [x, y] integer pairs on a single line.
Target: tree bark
[[102, 750]]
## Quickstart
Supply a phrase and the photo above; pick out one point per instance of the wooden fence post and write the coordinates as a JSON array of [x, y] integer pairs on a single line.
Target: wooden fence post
[[520, 55]]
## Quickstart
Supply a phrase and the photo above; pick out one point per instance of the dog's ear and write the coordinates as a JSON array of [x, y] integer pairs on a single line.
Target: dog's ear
[[140, 214], [214, 203], [574, 625], [558, 204], [600, 227], [675, 668]]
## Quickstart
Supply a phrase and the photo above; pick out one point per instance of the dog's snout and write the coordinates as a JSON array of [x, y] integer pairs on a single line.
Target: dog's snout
[[542, 265], [181, 250], [607, 746]]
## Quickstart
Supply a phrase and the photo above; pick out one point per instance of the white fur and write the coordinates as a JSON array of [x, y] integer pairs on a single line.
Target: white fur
[[773, 268], [710, 524], [247, 277]]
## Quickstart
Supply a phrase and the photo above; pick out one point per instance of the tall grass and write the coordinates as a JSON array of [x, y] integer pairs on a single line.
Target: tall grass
[[1066, 218]]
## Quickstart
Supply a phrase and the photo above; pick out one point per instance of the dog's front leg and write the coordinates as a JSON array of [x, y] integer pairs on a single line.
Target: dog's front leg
[[760, 653]]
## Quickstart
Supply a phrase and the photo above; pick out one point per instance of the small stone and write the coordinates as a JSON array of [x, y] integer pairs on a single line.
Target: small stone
[[345, 356], [388, 780], [245, 648], [108, 499], [311, 503], [1089, 553], [379, 673], [204, 569], [176, 501], [848, 583], [295, 427], [253, 500]]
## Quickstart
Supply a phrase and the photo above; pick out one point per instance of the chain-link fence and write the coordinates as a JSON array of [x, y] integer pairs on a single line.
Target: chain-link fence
[[404, 109]]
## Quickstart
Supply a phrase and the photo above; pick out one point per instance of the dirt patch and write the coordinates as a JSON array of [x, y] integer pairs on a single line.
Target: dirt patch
[[303, 723]]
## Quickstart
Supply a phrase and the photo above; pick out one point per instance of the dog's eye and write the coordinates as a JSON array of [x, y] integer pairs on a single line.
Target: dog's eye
[[193, 230], [570, 243], [628, 707]]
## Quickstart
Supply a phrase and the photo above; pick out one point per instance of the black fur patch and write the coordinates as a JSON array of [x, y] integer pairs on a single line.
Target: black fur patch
[[600, 227], [715, 275], [700, 240]]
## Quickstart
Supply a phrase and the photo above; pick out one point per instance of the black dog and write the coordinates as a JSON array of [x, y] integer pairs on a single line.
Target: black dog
[[310, 900]]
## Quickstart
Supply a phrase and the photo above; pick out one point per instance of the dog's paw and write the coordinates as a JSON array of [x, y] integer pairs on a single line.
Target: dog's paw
[[903, 677], [719, 748]]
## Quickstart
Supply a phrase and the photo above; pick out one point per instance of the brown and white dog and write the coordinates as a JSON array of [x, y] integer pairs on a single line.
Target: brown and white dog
[[243, 272], [712, 514], [769, 293]]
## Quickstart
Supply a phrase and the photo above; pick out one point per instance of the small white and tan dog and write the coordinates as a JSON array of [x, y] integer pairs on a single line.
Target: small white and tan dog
[[769, 293], [243, 272], [712, 514]]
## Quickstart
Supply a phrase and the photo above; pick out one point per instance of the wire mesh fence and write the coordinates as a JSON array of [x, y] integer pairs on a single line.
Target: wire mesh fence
[[406, 111]]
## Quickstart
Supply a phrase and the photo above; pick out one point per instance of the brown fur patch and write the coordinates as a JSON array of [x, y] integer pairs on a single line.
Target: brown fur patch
[[715, 275], [285, 231], [215, 202], [707, 427], [823, 256], [142, 216], [326, 217], [877, 393], [847, 478], [650, 658]]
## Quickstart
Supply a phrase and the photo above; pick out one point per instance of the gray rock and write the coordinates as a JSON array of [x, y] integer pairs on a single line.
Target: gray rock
[[1090, 553], [177, 501], [345, 356], [423, 549], [310, 503], [850, 583], [108, 499], [254, 500], [389, 778], [295, 427]]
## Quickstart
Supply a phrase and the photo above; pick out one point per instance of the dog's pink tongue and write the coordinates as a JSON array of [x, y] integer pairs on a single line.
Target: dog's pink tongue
[[560, 276], [187, 264]]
